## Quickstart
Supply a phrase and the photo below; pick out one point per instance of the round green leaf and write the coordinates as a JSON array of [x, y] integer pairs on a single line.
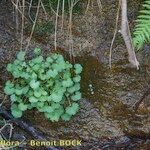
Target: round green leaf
[[55, 97], [51, 73], [25, 89], [34, 84], [8, 90], [37, 51], [13, 98], [78, 68], [22, 106], [67, 83], [9, 67], [18, 91], [49, 59], [56, 105], [77, 78], [76, 96], [72, 110], [21, 55], [66, 117], [40, 104], [17, 113], [37, 93], [33, 99], [48, 109], [43, 98]]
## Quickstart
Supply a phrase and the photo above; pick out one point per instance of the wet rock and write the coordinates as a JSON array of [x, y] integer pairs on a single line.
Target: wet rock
[[89, 124], [144, 55], [108, 112], [2, 56], [123, 141], [116, 91]]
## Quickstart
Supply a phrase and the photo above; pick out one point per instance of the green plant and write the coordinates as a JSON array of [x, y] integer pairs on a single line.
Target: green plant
[[52, 85], [141, 33]]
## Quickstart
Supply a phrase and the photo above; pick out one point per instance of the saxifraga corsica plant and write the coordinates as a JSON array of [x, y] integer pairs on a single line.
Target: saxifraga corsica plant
[[51, 85]]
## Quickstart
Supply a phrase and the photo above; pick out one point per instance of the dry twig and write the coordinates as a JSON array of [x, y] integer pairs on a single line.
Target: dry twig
[[115, 32], [125, 31], [56, 24], [33, 27]]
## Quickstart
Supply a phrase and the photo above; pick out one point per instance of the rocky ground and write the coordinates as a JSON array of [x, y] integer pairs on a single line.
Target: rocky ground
[[106, 119]]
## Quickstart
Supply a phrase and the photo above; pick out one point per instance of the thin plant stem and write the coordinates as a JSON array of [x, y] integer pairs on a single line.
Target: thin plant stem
[[70, 29], [29, 11], [33, 27], [17, 8], [56, 24], [63, 8], [99, 5], [44, 10], [114, 36], [22, 21], [88, 5], [16, 18]]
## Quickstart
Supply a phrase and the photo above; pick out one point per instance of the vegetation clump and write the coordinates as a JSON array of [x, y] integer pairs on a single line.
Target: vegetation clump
[[141, 34], [51, 85]]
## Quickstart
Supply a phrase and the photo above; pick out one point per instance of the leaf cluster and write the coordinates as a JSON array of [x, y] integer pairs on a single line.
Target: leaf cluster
[[141, 34], [51, 85]]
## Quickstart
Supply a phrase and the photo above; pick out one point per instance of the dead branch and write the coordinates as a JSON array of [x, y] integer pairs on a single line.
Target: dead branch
[[125, 31], [25, 126]]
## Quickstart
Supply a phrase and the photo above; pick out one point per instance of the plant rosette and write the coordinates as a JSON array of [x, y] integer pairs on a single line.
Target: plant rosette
[[51, 85]]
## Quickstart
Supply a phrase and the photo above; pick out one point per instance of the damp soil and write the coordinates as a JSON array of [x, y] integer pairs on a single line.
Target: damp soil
[[107, 119]]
